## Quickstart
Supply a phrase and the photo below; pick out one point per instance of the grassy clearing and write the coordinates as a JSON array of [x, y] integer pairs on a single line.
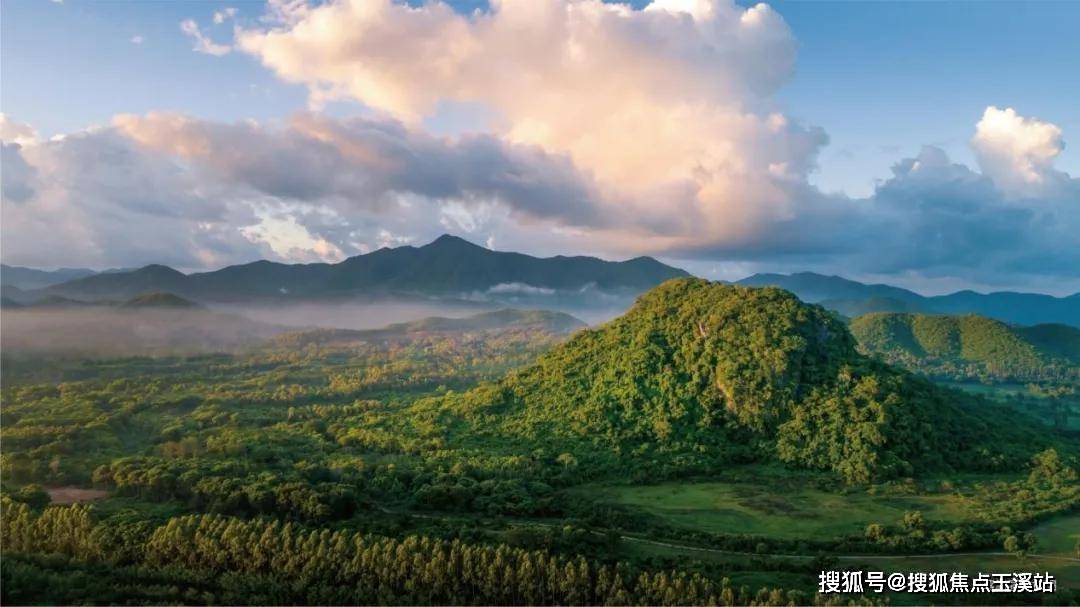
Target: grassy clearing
[[1056, 538], [1059, 536], [784, 512]]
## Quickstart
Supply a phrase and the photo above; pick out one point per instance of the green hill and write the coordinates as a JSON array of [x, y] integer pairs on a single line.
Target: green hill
[[969, 345], [698, 374], [858, 307], [1054, 340], [159, 300]]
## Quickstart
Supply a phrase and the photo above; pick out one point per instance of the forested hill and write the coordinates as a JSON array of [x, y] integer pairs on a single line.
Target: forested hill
[[970, 345], [852, 298], [158, 300], [449, 266], [698, 375]]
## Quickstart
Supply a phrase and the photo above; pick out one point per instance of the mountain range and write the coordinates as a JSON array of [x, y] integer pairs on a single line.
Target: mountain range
[[446, 267], [853, 299], [29, 278], [453, 268]]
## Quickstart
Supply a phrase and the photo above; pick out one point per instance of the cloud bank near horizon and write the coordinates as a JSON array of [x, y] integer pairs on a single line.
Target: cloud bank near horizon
[[611, 130]]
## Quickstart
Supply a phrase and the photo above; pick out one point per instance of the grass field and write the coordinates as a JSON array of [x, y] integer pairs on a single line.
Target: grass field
[[787, 512], [1056, 543], [1059, 536], [1057, 540], [793, 508]]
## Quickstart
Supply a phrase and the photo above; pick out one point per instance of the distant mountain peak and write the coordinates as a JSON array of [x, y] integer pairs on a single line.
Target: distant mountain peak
[[159, 269], [644, 259], [447, 241]]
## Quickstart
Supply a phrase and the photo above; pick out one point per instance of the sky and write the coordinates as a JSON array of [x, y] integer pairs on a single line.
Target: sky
[[922, 144]]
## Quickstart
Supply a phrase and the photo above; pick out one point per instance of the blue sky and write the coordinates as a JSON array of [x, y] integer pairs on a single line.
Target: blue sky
[[72, 64], [902, 74], [873, 84], [882, 78]]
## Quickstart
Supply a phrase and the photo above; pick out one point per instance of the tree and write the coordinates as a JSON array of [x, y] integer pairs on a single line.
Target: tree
[[1048, 469], [1012, 546], [33, 496]]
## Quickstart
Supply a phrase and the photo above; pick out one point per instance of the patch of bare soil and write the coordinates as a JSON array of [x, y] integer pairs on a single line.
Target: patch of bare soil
[[73, 495]]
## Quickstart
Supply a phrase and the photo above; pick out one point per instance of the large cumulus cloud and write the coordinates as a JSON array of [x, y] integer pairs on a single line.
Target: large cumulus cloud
[[97, 198], [1018, 153], [369, 164], [940, 218], [171, 188], [196, 193], [667, 108]]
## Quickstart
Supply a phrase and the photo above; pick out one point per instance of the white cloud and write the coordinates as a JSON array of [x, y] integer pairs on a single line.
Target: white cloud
[[197, 193], [290, 240], [224, 15], [670, 103], [1017, 152], [942, 219], [97, 198], [175, 189], [283, 12], [137, 39], [519, 288], [16, 132], [363, 163], [203, 44]]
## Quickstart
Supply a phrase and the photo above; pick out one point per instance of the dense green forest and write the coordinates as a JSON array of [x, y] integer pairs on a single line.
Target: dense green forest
[[701, 449], [697, 375], [972, 347], [1034, 369]]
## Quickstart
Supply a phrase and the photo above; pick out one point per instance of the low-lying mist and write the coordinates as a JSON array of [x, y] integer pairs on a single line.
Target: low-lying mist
[[375, 315], [102, 331], [105, 331], [349, 315]]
